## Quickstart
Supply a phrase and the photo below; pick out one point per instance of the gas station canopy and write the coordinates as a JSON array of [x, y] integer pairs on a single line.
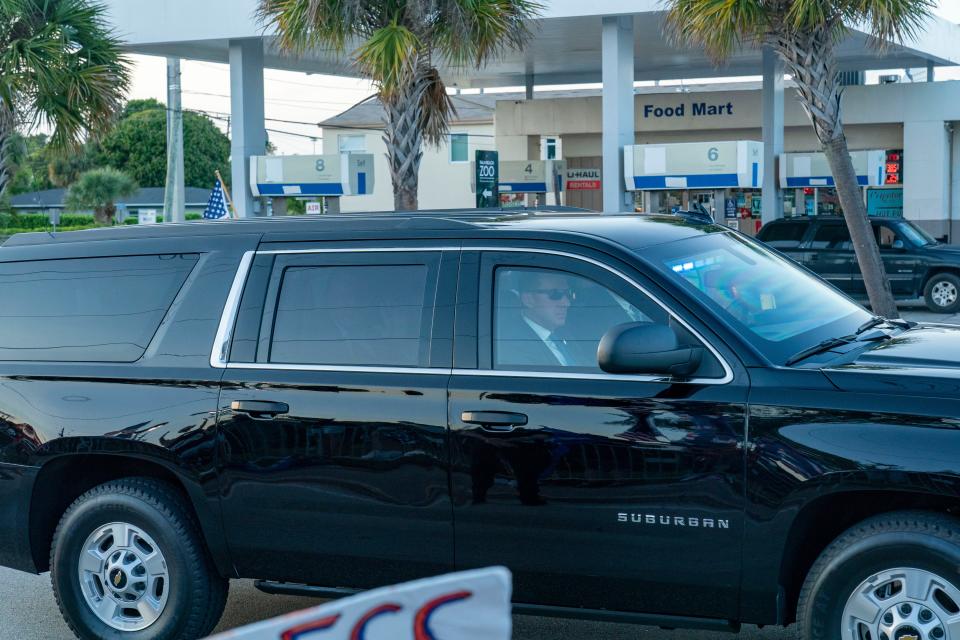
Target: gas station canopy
[[566, 47]]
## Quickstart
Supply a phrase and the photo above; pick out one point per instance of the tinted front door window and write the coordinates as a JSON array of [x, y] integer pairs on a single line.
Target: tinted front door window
[[901, 265], [548, 319], [553, 320]]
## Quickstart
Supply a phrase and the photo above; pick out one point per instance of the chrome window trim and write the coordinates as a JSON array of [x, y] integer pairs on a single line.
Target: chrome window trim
[[504, 373], [274, 252], [221, 343], [275, 366], [231, 308]]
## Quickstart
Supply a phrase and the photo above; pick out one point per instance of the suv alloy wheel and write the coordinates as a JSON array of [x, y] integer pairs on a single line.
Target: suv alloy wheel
[[942, 293], [127, 561], [893, 577]]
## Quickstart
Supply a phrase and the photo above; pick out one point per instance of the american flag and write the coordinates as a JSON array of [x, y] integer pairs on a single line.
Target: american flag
[[217, 205]]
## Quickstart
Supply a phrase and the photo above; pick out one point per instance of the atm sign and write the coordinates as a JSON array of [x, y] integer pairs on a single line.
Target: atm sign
[[583, 180]]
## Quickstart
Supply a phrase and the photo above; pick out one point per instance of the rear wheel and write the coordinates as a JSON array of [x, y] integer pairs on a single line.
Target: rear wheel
[[128, 562], [942, 293], [894, 577]]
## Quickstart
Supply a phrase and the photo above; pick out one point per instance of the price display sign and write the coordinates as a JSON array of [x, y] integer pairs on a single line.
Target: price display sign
[[893, 167]]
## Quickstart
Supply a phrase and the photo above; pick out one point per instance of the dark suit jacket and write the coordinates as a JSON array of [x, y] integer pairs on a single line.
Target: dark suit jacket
[[519, 345]]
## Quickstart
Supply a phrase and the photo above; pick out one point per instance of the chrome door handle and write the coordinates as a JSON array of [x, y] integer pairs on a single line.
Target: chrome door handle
[[259, 408], [503, 421]]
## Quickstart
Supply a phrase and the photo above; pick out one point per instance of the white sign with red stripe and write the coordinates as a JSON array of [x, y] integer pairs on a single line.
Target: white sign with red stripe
[[471, 605], [583, 179]]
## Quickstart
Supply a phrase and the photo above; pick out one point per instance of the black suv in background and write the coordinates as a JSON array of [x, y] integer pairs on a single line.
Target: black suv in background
[[646, 418], [916, 264]]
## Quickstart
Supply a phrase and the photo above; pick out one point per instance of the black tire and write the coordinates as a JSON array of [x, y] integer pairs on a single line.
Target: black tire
[[197, 593], [917, 540], [942, 280]]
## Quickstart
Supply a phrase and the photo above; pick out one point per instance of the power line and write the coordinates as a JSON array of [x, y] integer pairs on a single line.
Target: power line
[[273, 100], [290, 82], [222, 115]]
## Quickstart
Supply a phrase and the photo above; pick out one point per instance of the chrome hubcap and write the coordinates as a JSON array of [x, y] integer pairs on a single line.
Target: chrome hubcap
[[903, 604], [944, 294], [123, 577]]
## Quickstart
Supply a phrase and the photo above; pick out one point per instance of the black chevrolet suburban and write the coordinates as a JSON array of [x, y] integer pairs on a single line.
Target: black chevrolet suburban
[[646, 418], [917, 265]]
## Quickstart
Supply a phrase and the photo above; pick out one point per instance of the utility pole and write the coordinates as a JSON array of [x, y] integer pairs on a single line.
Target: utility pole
[[173, 195]]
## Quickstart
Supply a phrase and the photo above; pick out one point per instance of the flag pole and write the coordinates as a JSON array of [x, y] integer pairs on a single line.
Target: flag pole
[[226, 194]]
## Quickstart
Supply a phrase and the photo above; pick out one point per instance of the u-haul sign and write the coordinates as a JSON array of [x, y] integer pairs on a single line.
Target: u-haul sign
[[583, 180]]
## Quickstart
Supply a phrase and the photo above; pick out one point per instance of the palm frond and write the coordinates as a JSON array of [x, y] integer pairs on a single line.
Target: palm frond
[[890, 21], [436, 108], [471, 32], [389, 57], [719, 26], [304, 25], [61, 65]]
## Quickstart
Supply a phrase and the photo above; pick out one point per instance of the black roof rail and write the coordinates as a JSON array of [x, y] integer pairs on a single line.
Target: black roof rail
[[361, 221], [696, 216]]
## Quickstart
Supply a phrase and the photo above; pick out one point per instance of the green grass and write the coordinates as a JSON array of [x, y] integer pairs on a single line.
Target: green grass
[[32, 222]]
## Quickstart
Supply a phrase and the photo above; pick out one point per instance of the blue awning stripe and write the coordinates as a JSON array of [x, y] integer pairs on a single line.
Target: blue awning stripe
[[306, 189], [695, 181], [821, 181], [523, 187]]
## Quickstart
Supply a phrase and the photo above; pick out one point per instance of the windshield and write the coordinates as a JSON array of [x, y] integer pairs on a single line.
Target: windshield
[[916, 235], [778, 306]]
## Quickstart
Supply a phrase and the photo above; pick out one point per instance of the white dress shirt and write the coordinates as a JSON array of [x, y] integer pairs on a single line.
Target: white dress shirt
[[544, 334]]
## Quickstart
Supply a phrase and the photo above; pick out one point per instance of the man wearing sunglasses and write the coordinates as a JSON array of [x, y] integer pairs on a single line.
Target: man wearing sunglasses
[[545, 299]]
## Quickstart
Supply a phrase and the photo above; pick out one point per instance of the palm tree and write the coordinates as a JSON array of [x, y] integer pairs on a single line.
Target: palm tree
[[60, 67], [398, 44], [804, 33], [99, 189]]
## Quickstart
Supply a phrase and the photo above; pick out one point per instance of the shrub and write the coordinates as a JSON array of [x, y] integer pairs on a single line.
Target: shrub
[[99, 189]]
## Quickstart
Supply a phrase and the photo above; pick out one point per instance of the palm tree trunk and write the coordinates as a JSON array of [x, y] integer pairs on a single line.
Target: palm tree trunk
[[104, 214], [811, 62], [404, 139], [861, 231], [7, 134]]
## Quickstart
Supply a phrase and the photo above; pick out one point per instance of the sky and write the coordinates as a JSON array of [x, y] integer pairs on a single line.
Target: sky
[[295, 101]]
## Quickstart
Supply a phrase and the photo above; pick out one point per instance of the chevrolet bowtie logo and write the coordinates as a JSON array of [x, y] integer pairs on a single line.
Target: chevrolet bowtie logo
[[117, 578], [908, 637]]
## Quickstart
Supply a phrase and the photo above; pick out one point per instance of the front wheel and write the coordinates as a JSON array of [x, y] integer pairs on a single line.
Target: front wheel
[[128, 563], [893, 577], [942, 293]]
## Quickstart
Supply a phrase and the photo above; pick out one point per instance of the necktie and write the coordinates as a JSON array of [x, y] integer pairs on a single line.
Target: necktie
[[561, 346]]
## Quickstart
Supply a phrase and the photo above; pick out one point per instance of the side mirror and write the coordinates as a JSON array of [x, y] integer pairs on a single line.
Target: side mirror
[[641, 347], [898, 245]]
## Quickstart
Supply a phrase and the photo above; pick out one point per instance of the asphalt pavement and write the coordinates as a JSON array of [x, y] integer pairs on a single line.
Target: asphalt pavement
[[28, 610]]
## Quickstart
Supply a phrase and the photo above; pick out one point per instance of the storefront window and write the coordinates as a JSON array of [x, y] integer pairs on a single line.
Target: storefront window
[[790, 203], [828, 203]]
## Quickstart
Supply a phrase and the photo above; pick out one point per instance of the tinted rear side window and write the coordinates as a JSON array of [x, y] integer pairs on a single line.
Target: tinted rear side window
[[832, 236], [87, 309], [363, 315], [784, 235]]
